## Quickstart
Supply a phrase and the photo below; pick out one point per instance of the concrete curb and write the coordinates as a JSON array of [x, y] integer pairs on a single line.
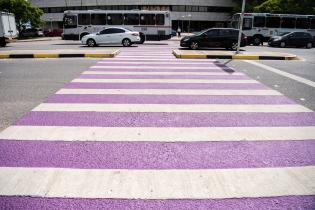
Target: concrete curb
[[59, 55], [177, 54]]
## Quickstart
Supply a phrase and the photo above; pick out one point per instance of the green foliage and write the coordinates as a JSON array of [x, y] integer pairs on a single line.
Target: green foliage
[[278, 6], [24, 12]]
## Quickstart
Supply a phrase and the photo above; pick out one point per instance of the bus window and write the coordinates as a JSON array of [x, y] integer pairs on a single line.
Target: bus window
[[131, 19], [259, 21], [312, 23], [147, 19], [114, 19], [98, 19], [302, 23], [70, 21], [273, 22], [287, 22], [84, 19], [160, 20], [247, 23]]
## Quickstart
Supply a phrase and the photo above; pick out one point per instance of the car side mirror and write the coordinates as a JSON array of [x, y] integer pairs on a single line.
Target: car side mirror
[[98, 33]]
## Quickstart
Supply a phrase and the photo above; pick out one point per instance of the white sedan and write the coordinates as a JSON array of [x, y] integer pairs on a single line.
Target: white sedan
[[112, 36]]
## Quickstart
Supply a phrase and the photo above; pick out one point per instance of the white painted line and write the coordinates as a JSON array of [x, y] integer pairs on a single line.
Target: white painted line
[[154, 63], [138, 59], [160, 134], [74, 107], [199, 81], [282, 73], [170, 92], [163, 73], [158, 67], [157, 184]]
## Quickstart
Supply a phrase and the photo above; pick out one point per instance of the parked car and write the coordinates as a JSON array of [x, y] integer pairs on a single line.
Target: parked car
[[31, 32], [214, 37], [293, 39], [174, 33], [8, 29], [113, 35], [55, 32]]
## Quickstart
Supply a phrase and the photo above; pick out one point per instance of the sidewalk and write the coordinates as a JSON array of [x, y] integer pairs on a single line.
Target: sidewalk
[[223, 54], [60, 53]]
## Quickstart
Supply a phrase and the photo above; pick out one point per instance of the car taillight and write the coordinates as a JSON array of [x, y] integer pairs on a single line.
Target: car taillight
[[135, 34]]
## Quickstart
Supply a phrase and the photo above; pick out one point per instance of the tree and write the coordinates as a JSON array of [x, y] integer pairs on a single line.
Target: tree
[[287, 7], [24, 12]]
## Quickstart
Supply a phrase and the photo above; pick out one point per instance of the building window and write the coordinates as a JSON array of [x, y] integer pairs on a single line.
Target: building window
[[203, 9], [302, 23]]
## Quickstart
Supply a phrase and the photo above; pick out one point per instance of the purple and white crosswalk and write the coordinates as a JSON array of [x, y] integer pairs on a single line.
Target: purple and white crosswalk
[[145, 130]]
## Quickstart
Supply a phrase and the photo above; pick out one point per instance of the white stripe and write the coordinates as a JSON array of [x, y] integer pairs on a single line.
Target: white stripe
[[199, 81], [157, 67], [74, 107], [163, 73], [159, 134], [153, 63], [170, 92], [285, 74], [157, 184]]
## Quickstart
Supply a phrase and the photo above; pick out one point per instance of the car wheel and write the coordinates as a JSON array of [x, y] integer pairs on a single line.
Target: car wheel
[[257, 40], [234, 46], [194, 46], [309, 45], [91, 43], [126, 42], [282, 44], [2, 43]]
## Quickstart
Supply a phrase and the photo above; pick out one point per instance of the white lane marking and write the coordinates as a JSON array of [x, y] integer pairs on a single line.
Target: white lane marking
[[170, 92], [158, 134], [153, 63], [282, 73], [74, 107], [159, 67], [157, 184], [163, 73], [199, 81]]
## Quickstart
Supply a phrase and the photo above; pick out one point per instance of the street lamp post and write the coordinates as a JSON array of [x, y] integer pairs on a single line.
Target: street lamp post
[[241, 28], [183, 23], [50, 23], [189, 16]]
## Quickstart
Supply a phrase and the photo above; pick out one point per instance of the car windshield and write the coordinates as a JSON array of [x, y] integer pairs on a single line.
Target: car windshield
[[285, 33], [201, 32]]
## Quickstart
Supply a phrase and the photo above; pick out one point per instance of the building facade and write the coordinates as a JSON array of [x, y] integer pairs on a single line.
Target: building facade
[[189, 15]]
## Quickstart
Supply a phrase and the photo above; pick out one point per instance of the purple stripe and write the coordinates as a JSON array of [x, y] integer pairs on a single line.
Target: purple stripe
[[167, 99], [275, 203], [156, 155], [136, 60], [160, 119], [113, 76], [165, 70], [254, 86], [179, 65]]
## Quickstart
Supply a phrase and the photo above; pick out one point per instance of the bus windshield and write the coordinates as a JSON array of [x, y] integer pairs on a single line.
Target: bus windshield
[[70, 21]]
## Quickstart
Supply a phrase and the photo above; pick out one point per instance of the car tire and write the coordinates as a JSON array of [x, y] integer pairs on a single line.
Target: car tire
[[142, 38], [257, 40], [2, 43], [91, 43], [194, 45], [309, 45], [282, 44], [233, 46], [126, 42]]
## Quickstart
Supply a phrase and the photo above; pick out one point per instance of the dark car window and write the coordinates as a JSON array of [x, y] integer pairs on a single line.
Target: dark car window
[[213, 32], [112, 31], [225, 32]]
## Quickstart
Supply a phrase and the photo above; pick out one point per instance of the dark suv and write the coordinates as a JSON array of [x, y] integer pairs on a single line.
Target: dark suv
[[214, 37], [296, 39]]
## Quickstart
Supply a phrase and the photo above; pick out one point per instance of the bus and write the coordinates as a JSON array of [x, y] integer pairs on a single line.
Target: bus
[[259, 27], [152, 25]]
